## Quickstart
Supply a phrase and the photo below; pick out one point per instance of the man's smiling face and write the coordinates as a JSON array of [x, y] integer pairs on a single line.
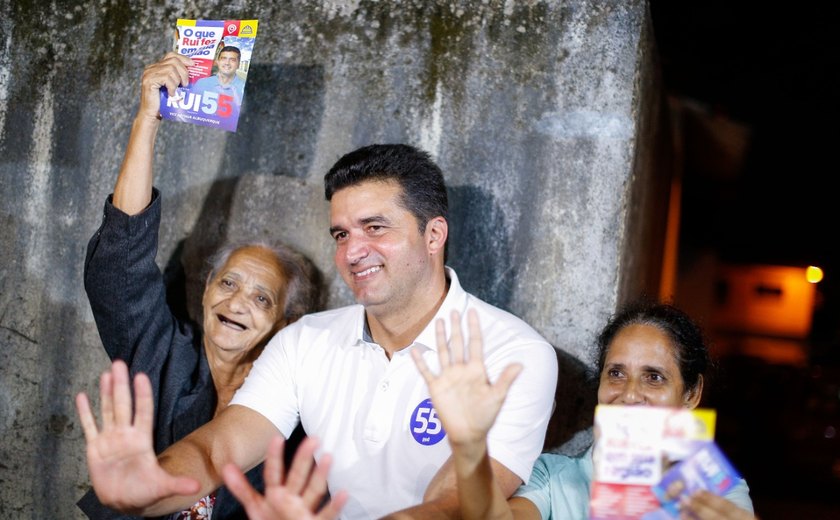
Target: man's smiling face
[[227, 63], [380, 252]]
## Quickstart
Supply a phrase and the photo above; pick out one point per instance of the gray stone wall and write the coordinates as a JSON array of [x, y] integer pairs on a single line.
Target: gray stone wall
[[544, 115]]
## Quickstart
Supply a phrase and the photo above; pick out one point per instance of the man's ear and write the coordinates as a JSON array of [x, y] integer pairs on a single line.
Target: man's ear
[[693, 396], [437, 229]]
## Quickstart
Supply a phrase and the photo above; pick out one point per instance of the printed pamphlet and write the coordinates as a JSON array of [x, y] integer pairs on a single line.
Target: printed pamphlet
[[707, 468], [634, 446], [221, 52]]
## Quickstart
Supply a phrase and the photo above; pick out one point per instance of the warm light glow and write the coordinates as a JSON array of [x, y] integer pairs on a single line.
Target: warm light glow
[[766, 300], [813, 274]]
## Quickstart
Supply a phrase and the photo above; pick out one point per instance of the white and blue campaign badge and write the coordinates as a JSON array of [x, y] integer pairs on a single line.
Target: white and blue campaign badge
[[425, 425]]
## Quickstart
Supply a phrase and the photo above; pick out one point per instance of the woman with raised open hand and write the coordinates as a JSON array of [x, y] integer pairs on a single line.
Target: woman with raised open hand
[[252, 289]]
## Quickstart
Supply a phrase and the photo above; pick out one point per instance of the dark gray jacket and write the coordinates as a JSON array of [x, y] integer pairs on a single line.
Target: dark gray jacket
[[128, 297]]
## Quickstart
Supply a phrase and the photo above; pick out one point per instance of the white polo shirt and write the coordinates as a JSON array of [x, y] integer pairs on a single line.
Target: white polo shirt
[[375, 416]]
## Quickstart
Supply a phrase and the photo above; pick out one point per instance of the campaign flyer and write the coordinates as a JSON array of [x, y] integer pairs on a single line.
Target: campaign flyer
[[707, 468], [221, 52], [634, 445]]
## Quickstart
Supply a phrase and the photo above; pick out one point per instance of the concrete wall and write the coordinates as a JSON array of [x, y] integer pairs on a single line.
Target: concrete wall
[[544, 116]]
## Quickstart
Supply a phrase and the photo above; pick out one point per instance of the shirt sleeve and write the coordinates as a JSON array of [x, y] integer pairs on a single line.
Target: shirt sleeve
[[560, 485], [538, 490], [740, 495], [516, 439], [126, 290], [271, 388]]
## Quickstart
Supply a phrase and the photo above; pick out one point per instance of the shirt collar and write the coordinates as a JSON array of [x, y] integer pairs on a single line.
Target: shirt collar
[[456, 299]]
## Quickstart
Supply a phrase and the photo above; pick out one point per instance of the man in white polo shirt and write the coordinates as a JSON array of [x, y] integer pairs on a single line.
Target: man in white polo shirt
[[347, 374]]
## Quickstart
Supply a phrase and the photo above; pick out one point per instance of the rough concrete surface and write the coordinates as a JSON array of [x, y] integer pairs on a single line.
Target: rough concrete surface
[[544, 116]]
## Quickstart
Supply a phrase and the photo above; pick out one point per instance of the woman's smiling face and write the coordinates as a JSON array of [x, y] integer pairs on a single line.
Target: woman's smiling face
[[641, 368], [244, 301]]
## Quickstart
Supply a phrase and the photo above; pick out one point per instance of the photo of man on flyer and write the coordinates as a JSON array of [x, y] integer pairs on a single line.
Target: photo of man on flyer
[[225, 80]]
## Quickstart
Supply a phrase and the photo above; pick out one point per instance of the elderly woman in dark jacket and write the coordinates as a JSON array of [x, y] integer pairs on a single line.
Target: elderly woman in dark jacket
[[252, 290]]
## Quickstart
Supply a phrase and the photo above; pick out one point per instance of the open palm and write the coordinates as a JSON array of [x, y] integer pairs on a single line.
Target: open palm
[[123, 467], [464, 399], [296, 495]]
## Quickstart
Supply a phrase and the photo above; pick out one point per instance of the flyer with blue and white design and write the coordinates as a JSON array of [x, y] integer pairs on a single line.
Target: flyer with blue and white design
[[221, 52]]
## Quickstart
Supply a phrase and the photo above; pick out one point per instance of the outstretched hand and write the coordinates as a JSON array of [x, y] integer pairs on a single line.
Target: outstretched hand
[[169, 73], [463, 397], [297, 495], [121, 460]]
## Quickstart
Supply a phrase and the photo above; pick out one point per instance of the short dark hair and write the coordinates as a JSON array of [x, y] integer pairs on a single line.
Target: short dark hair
[[303, 280], [231, 48], [687, 339], [421, 180]]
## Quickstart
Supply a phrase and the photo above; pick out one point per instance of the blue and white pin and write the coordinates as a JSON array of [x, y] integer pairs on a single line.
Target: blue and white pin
[[425, 425]]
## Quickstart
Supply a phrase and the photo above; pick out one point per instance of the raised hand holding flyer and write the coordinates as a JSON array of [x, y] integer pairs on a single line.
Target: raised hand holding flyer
[[221, 52], [707, 468]]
